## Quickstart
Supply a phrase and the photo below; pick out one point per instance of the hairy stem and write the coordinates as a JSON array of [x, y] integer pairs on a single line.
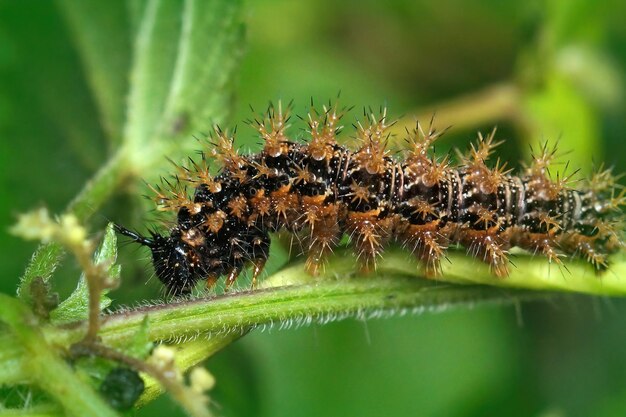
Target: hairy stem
[[297, 299], [292, 305]]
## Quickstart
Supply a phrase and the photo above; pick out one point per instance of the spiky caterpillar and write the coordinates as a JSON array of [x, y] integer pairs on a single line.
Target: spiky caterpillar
[[321, 190]]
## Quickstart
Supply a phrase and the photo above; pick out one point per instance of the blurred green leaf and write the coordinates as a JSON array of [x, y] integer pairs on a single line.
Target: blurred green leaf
[[169, 78], [559, 113], [592, 73], [431, 365], [569, 21], [181, 76], [102, 36], [51, 138], [135, 9]]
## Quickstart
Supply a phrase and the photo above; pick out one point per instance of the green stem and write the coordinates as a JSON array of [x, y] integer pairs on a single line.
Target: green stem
[[46, 367], [322, 302], [301, 299], [291, 305], [100, 187], [299, 305]]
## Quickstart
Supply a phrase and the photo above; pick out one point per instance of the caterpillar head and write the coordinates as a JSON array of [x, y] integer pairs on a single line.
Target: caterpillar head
[[170, 259]]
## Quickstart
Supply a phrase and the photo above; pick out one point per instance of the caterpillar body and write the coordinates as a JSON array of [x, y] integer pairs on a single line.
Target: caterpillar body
[[321, 191]]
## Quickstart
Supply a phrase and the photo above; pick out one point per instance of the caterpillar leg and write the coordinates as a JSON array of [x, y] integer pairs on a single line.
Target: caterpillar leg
[[489, 246], [231, 278], [592, 255], [324, 235], [260, 243], [211, 280], [427, 243], [318, 252], [257, 267], [369, 236], [586, 247], [545, 241]]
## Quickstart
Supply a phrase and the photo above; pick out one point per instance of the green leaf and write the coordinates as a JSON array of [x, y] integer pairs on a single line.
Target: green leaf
[[185, 56], [570, 21], [560, 112], [102, 35], [76, 306], [527, 273], [135, 10], [593, 73], [42, 264]]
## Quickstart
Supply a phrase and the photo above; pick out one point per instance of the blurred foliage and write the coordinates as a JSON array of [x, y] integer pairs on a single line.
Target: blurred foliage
[[565, 62]]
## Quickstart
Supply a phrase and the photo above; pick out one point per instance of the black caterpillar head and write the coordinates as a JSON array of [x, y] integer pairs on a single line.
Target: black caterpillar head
[[170, 259]]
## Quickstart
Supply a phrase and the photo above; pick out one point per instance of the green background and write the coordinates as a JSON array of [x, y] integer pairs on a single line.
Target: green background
[[567, 60]]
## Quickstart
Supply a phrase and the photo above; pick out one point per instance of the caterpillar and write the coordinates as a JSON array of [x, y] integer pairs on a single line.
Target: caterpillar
[[321, 191]]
